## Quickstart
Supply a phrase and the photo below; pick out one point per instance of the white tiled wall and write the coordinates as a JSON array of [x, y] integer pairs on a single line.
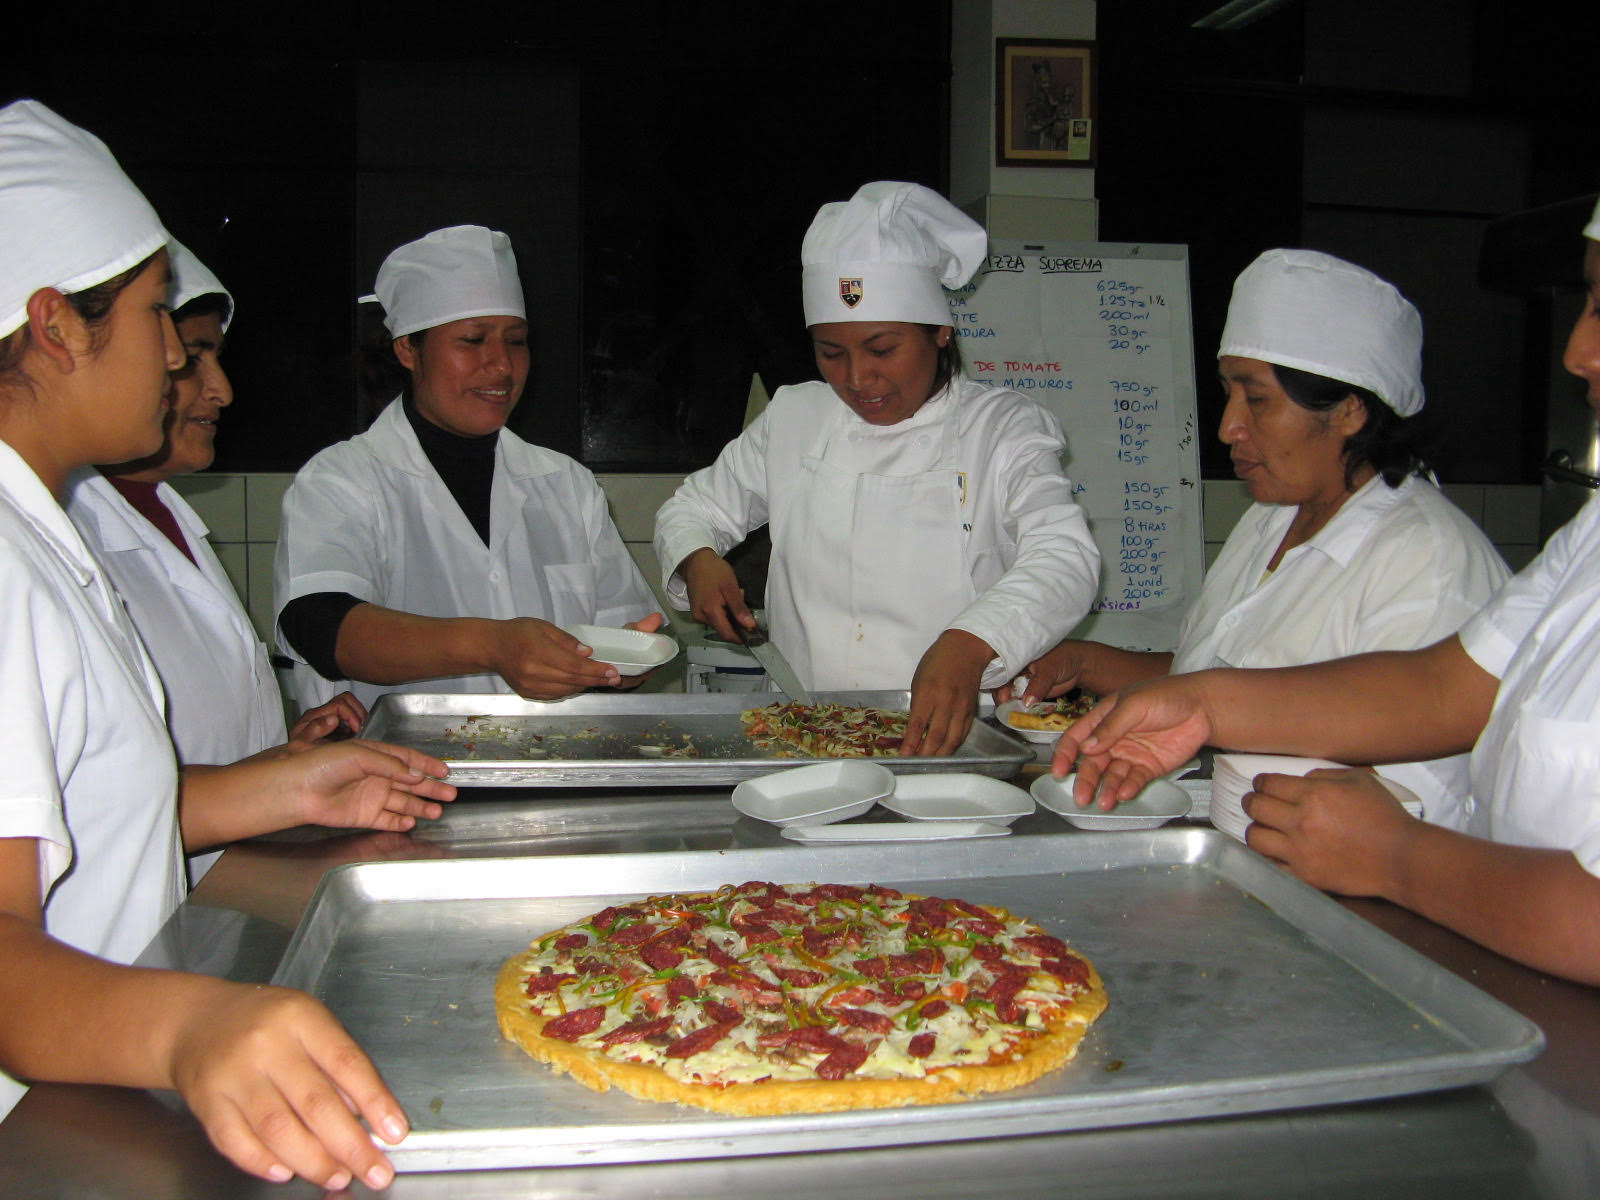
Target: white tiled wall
[[243, 511]]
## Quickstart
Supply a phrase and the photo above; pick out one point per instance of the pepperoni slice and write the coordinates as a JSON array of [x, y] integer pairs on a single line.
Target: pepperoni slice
[[862, 1018], [720, 956], [1071, 970], [841, 891], [681, 987], [632, 935], [795, 977], [842, 1061], [569, 1027], [700, 1040], [636, 1031], [573, 941], [1043, 945], [757, 934], [723, 1014], [541, 984], [921, 1046], [659, 957], [934, 1008]]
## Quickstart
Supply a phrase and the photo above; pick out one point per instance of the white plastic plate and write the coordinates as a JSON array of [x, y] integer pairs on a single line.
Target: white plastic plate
[[957, 797], [631, 651], [818, 795], [1160, 802], [1002, 713], [893, 831]]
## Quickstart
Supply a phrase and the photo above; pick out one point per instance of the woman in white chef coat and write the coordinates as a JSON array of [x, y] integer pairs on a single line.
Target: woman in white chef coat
[[1348, 546], [223, 702], [438, 551], [1519, 686], [923, 533], [94, 813]]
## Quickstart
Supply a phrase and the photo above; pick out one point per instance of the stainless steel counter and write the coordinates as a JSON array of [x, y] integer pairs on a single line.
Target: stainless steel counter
[[1534, 1133]]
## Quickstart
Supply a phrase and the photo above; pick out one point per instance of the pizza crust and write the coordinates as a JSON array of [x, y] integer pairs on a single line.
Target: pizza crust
[[1034, 1056], [1042, 1054]]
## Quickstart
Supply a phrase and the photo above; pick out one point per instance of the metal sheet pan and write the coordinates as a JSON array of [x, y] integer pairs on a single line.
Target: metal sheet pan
[[1234, 988], [596, 740]]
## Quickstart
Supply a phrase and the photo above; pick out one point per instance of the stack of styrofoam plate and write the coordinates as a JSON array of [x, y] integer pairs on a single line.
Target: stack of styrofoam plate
[[1232, 775]]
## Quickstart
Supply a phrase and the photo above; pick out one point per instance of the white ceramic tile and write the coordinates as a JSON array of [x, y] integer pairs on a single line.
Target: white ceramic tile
[[220, 501], [264, 508], [1224, 501], [1517, 555], [258, 597], [235, 564], [1212, 550], [1468, 497], [1511, 513], [635, 500]]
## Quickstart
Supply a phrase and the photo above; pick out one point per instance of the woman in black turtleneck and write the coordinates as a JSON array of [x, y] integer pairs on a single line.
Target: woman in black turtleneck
[[438, 551]]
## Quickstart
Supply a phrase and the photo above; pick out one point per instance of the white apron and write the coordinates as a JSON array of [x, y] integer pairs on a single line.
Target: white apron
[[894, 573]]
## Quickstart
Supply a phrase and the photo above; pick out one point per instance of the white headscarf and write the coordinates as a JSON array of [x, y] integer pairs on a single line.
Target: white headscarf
[[69, 217], [1592, 229], [192, 279], [887, 254], [449, 275], [1317, 313]]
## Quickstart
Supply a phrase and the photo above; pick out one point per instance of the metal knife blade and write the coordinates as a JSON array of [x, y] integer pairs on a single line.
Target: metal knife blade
[[772, 661]]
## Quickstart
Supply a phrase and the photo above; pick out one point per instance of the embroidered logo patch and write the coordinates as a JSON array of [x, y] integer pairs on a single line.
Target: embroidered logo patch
[[850, 292]]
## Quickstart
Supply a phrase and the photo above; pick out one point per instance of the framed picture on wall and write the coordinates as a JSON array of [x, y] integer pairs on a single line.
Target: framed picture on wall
[[1044, 103]]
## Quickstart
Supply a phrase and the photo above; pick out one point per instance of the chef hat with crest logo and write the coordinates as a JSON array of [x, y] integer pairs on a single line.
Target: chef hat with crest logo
[[449, 275], [69, 218], [1317, 313], [192, 279], [887, 254]]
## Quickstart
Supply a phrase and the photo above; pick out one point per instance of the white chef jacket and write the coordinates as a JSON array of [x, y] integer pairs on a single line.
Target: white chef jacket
[[958, 517], [89, 769], [1394, 569], [371, 517], [1536, 766], [223, 702]]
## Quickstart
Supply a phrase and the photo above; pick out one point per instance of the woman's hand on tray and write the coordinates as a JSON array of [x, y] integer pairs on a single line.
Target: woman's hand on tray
[[944, 694], [1132, 737], [279, 1085], [339, 718]]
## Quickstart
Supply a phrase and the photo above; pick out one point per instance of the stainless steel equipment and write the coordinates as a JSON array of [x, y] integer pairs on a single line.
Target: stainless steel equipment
[[1234, 988], [654, 740]]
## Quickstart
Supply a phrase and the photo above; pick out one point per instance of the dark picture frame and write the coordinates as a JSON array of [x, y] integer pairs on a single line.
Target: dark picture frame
[[1045, 103]]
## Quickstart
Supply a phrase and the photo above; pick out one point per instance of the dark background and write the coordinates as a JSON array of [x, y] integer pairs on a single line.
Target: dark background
[[657, 164]]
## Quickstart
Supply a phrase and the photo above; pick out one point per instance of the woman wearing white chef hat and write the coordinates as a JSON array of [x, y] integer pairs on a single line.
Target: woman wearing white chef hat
[[1519, 686], [923, 534], [91, 830], [1348, 547], [438, 551], [223, 702]]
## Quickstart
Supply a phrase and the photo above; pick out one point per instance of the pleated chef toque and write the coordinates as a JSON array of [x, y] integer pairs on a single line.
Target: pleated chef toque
[[1313, 312], [192, 279], [449, 275], [69, 217], [887, 254]]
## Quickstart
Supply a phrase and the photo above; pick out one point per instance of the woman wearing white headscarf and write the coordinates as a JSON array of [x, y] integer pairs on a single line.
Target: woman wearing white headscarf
[[1348, 547], [438, 551], [923, 533], [95, 814], [1519, 686]]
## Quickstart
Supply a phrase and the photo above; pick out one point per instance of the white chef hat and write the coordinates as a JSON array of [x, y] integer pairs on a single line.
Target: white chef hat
[[192, 279], [1592, 229], [449, 275], [1317, 313], [69, 217], [887, 254]]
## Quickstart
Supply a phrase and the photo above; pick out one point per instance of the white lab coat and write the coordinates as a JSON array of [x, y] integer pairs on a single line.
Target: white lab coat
[[371, 517], [223, 702], [883, 537], [1395, 569], [89, 769], [1536, 766]]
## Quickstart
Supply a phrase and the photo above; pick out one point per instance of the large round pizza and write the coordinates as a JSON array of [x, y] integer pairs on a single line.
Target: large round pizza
[[765, 998]]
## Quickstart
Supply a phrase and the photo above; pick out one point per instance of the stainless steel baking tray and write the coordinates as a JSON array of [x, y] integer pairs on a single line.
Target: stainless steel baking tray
[[596, 740], [1234, 988]]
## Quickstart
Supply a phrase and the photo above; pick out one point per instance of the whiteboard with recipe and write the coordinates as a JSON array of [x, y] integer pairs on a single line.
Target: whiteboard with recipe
[[1100, 334]]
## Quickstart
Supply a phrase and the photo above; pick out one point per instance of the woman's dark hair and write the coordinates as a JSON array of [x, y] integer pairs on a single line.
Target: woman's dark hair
[[949, 356], [93, 304], [212, 304], [1392, 445]]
